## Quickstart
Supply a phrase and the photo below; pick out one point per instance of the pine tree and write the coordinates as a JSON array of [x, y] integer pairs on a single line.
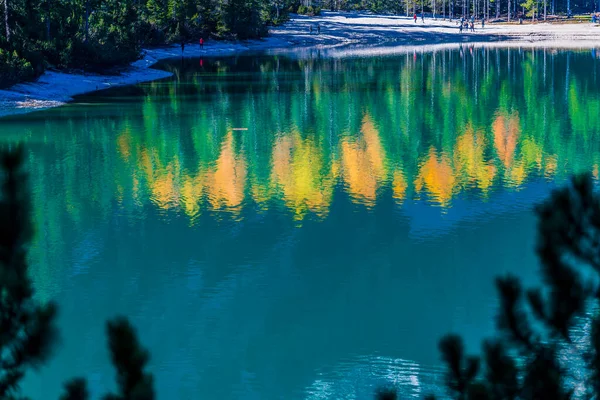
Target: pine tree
[[27, 331], [531, 356], [76, 389], [129, 359], [6, 26], [531, 7], [243, 19]]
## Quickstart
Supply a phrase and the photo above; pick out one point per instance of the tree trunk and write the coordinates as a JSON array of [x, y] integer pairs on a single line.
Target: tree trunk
[[6, 21], [87, 19], [48, 20], [545, 6], [497, 9], [508, 10]]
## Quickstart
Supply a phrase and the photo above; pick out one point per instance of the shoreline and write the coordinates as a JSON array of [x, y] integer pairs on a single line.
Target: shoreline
[[343, 34]]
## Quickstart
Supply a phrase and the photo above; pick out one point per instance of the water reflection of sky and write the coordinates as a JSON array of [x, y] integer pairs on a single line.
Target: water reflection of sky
[[426, 221]]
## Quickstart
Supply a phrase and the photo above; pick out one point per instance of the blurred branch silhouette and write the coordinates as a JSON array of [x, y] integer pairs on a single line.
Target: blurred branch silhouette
[[129, 359], [27, 331], [534, 351]]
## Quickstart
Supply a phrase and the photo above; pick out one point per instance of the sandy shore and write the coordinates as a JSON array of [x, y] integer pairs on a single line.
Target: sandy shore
[[53, 88], [342, 34]]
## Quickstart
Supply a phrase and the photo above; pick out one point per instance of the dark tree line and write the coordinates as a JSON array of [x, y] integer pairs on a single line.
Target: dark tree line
[[489, 9], [97, 34]]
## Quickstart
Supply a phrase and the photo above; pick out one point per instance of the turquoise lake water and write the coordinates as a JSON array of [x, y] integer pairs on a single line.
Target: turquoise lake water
[[291, 228]]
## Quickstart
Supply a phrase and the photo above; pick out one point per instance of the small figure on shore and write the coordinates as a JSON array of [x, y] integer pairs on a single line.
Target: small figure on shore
[[310, 29], [460, 27], [201, 43], [472, 26], [482, 23], [318, 29], [415, 17], [423, 17]]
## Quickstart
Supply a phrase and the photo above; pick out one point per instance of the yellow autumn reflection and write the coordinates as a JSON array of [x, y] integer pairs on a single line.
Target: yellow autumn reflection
[[299, 171], [399, 186], [470, 162], [164, 191], [192, 189], [436, 176], [227, 180], [170, 186], [506, 130], [363, 163]]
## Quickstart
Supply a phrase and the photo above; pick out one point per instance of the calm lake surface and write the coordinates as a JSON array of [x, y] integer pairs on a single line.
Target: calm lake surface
[[323, 251]]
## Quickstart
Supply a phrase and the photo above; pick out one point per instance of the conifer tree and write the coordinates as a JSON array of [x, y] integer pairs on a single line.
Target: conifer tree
[[129, 359], [27, 331], [534, 350]]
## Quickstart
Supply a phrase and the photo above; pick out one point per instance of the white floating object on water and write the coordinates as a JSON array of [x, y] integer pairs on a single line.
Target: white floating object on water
[[240, 129]]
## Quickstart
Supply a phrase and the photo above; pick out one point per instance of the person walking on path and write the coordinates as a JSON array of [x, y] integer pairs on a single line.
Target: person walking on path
[[310, 29], [472, 26], [482, 23], [460, 27], [415, 17], [318, 29], [201, 43], [423, 17]]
